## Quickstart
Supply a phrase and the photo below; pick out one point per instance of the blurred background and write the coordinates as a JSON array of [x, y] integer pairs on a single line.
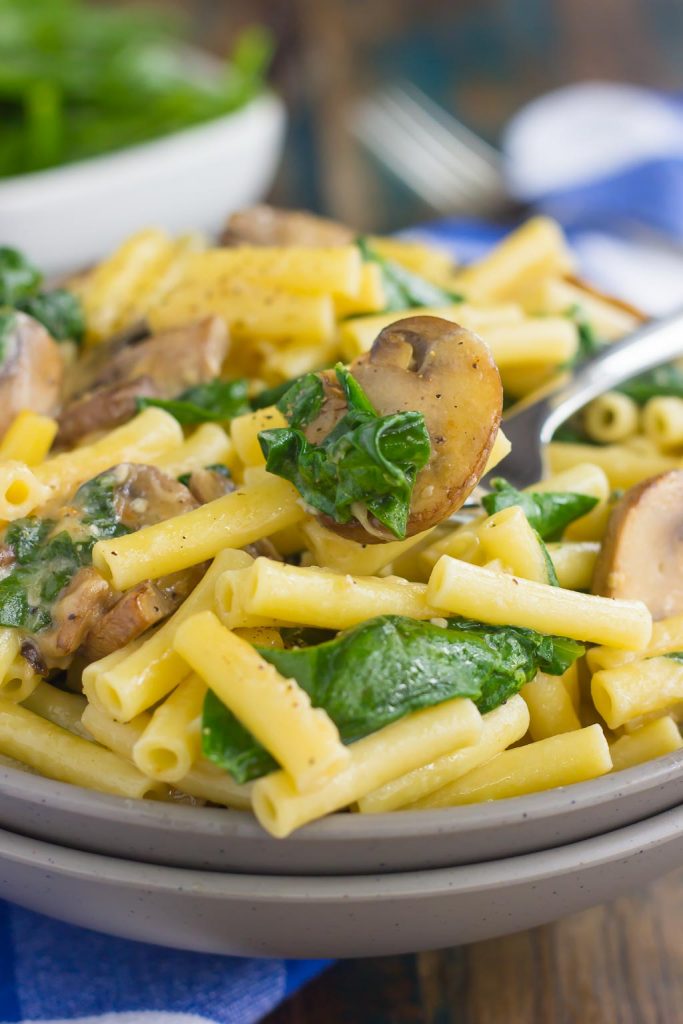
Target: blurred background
[[481, 59]]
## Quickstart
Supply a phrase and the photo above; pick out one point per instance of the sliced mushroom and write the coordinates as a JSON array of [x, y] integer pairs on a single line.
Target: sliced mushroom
[[642, 553], [145, 495], [161, 367], [267, 225], [438, 368], [31, 370], [133, 614], [78, 607], [208, 484]]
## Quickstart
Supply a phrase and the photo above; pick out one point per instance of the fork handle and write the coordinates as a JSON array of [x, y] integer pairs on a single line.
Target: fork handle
[[657, 342]]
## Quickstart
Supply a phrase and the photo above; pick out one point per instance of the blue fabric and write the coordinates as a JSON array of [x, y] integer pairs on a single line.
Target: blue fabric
[[53, 972]]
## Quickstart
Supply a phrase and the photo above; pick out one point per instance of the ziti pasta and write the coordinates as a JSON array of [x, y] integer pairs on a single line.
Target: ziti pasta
[[243, 558]]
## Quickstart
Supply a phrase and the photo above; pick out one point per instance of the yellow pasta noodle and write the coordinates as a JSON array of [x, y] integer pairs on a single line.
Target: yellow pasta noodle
[[536, 249], [663, 422], [59, 754], [208, 445], [58, 706], [555, 295], [171, 742], [244, 431], [654, 739], [332, 551], [501, 727], [507, 535], [392, 751], [204, 781], [638, 688], [19, 681], [20, 491], [136, 677], [329, 600], [301, 738], [574, 563], [323, 270], [242, 517], [623, 466], [28, 438], [556, 761], [551, 710], [152, 433], [547, 341], [611, 417], [478, 593]]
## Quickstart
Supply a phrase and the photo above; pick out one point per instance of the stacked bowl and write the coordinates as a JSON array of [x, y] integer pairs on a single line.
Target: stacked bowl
[[209, 879]]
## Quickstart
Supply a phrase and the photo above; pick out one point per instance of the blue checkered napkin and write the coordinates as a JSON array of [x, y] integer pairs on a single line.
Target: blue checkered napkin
[[52, 972]]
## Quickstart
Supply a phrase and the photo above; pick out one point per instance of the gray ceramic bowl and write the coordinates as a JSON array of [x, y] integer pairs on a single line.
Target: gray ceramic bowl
[[363, 916], [221, 840]]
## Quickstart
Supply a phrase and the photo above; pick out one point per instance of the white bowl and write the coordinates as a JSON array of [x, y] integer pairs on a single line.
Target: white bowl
[[370, 915], [65, 218]]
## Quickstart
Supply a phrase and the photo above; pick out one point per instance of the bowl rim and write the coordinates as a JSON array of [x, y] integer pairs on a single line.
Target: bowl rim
[[341, 827], [630, 841], [266, 103]]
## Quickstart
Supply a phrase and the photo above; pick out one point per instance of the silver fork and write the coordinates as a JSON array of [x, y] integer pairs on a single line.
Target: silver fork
[[444, 162], [531, 423]]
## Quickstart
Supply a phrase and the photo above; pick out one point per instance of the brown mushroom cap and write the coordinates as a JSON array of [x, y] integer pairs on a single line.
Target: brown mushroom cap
[[438, 368], [31, 371], [642, 554]]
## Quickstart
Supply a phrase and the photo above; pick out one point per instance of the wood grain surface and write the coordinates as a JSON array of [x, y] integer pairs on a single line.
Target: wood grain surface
[[621, 963], [618, 964]]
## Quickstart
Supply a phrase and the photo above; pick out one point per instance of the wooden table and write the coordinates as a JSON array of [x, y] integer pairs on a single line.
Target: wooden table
[[620, 964], [617, 964]]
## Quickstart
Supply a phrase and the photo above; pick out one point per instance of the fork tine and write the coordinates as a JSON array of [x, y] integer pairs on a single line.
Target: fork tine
[[425, 175], [444, 188]]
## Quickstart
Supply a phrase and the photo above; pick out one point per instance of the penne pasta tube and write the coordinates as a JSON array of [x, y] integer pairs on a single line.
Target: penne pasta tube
[[204, 781], [28, 438], [20, 491], [638, 688], [574, 563], [536, 249], [171, 742], [551, 710], [331, 551], [19, 681], [507, 535], [412, 791], [654, 739], [663, 422], [623, 466], [478, 593], [556, 295], [277, 711], [10, 643], [556, 761], [547, 341], [611, 417], [58, 706], [242, 517], [208, 445], [244, 431], [150, 434], [320, 270], [231, 591], [59, 754], [329, 600], [394, 750], [136, 677]]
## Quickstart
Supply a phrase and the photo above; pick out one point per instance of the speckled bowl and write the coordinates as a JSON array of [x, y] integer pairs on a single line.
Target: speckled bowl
[[220, 840], [257, 915]]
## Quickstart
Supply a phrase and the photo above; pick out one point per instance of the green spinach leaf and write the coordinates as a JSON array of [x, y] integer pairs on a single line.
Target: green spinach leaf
[[217, 401], [367, 459], [662, 381], [383, 669], [59, 311], [548, 512], [19, 279], [402, 288]]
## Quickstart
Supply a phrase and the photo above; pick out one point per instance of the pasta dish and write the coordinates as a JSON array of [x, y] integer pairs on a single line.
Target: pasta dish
[[246, 559]]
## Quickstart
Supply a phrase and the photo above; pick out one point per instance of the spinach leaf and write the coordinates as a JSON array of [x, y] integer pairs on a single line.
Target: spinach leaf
[[663, 380], [549, 513], [271, 396], [675, 656], [59, 311], [19, 279], [383, 669], [367, 459], [8, 322], [402, 288], [218, 400], [48, 553]]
